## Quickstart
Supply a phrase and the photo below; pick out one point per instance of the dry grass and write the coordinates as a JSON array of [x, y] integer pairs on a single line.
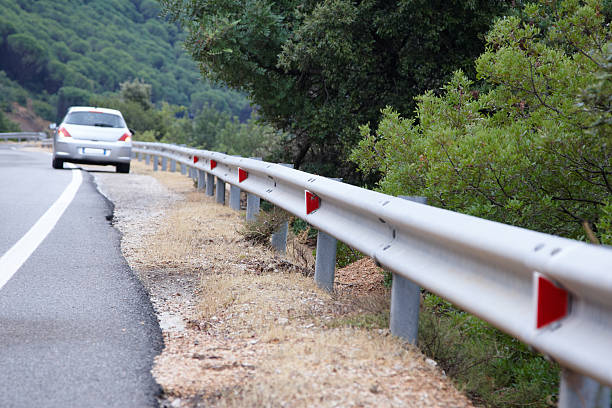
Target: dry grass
[[259, 333]]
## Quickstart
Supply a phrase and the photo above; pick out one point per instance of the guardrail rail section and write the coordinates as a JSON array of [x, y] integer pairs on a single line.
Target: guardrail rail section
[[19, 136], [552, 293]]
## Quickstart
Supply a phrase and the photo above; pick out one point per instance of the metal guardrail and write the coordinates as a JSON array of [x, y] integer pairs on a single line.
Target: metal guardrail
[[19, 136], [552, 293]]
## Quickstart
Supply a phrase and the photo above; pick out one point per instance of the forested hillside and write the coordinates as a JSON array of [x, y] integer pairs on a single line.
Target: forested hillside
[[57, 52]]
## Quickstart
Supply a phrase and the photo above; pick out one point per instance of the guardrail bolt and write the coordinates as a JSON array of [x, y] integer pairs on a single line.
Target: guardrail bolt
[[253, 203], [220, 191], [405, 301], [164, 163], [576, 390], [201, 179], [154, 163], [279, 238], [210, 184], [173, 165]]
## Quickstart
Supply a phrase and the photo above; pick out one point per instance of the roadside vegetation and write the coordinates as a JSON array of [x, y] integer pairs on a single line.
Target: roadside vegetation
[[319, 69], [530, 144], [55, 54]]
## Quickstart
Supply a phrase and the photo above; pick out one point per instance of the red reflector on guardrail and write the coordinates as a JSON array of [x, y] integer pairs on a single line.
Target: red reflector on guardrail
[[553, 302], [313, 202], [196, 159], [242, 175], [213, 164]]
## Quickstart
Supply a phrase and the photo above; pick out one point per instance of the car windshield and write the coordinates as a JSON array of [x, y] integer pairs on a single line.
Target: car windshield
[[95, 119]]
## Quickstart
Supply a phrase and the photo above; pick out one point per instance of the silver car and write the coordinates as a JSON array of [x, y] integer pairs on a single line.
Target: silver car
[[93, 136]]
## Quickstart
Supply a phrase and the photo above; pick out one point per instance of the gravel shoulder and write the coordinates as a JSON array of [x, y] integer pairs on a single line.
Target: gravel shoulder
[[243, 326]]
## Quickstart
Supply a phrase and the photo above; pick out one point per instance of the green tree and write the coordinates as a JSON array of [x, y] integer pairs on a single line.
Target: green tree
[[136, 91], [317, 69], [69, 96], [248, 139], [97, 46], [25, 59], [7, 125], [536, 149]]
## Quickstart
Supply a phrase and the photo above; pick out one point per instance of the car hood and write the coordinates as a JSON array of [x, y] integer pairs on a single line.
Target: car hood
[[97, 133]]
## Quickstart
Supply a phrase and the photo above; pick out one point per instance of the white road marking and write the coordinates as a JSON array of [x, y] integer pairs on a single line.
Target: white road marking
[[12, 260]]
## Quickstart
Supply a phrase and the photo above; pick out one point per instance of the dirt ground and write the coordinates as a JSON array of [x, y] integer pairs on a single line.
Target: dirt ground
[[245, 327], [27, 120]]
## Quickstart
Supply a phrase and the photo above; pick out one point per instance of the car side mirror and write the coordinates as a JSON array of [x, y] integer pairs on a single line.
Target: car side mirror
[[132, 131]]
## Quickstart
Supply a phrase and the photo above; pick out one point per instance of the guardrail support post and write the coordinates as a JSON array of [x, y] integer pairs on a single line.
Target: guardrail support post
[[279, 238], [139, 156], [210, 184], [234, 198], [576, 390], [220, 191], [154, 163], [173, 165], [325, 265], [183, 169], [405, 301], [252, 210], [253, 203], [147, 159], [201, 180], [164, 163]]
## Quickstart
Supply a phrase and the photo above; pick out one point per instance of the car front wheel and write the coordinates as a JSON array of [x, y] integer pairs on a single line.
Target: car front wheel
[[123, 168], [57, 164]]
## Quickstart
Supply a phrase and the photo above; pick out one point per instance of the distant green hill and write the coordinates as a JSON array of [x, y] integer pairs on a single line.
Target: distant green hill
[[60, 47]]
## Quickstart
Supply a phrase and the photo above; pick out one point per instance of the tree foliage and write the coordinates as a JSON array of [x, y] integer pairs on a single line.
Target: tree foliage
[[96, 45], [6, 125], [318, 69], [536, 149]]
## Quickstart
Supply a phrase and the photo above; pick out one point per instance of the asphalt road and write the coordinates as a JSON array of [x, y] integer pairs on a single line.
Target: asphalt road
[[76, 327]]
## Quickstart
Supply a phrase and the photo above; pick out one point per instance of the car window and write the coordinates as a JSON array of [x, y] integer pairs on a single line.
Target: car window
[[95, 119]]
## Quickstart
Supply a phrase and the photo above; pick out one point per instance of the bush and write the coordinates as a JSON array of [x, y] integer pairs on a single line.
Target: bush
[[44, 110], [266, 224], [492, 368], [534, 150], [7, 125]]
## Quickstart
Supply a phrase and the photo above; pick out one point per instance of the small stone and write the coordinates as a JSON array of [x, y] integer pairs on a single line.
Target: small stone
[[431, 363], [176, 403], [283, 320]]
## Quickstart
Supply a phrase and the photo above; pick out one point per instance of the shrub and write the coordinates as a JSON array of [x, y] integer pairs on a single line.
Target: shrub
[[267, 223], [535, 150], [492, 368]]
